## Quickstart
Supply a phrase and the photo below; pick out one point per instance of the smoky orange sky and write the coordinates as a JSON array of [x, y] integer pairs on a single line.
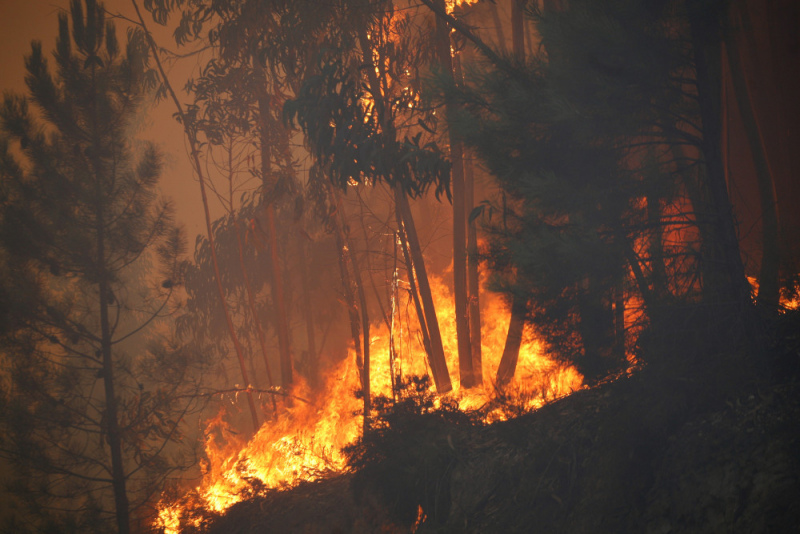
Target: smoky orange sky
[[22, 21]]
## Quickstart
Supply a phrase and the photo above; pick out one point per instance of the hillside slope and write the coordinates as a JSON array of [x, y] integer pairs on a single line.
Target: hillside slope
[[643, 453]]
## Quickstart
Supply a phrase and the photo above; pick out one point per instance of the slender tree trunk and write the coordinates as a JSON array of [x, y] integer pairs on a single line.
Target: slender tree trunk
[[262, 342], [309, 315], [508, 362], [441, 376], [423, 325], [251, 304], [394, 367], [278, 299], [276, 274], [438, 364], [350, 299], [347, 255], [190, 136], [118, 476], [362, 299], [467, 376], [473, 278], [655, 244], [768, 282], [350, 255]]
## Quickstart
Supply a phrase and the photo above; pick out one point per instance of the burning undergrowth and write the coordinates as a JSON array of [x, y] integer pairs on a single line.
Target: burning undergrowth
[[317, 434]]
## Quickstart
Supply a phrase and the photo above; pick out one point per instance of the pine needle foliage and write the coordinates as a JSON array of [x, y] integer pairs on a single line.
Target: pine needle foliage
[[92, 398]]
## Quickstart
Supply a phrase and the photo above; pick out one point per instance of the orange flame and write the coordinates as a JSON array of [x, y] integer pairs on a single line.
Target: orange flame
[[306, 442]]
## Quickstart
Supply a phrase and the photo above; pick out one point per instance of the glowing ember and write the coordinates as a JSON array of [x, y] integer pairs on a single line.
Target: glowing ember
[[306, 441]]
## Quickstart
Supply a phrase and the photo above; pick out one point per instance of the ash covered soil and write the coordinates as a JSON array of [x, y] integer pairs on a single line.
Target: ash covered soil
[[672, 448]]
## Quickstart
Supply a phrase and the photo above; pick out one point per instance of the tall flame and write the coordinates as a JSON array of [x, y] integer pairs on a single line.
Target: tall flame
[[306, 442]]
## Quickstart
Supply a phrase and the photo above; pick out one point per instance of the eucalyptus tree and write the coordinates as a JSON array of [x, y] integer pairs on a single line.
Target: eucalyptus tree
[[94, 391], [306, 59], [238, 95], [366, 121]]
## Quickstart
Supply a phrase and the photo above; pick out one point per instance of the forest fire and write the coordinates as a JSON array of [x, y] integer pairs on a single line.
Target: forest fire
[[305, 442]]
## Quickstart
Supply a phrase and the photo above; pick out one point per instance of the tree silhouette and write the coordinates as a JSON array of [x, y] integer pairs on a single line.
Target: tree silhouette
[[94, 395]]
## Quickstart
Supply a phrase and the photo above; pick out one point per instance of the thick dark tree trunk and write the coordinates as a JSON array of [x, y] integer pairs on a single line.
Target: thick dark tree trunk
[[729, 280]]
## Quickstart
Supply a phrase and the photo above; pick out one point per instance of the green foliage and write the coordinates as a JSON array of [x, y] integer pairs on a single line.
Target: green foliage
[[363, 128]]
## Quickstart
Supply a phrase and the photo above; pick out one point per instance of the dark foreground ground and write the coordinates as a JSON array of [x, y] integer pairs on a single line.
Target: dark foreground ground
[[655, 452]]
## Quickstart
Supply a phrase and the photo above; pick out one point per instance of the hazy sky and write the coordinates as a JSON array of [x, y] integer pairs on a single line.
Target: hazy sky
[[21, 21]]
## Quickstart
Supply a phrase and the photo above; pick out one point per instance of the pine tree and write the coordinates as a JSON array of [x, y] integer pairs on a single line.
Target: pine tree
[[93, 405], [606, 142]]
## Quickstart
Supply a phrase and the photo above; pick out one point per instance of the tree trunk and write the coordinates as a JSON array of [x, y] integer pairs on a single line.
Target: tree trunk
[[114, 438], [276, 275], [768, 282], [467, 376], [350, 299], [412, 283], [729, 281], [190, 136], [362, 299], [473, 277], [248, 288], [313, 362], [252, 306], [508, 362], [349, 256], [278, 300], [118, 476], [441, 376]]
